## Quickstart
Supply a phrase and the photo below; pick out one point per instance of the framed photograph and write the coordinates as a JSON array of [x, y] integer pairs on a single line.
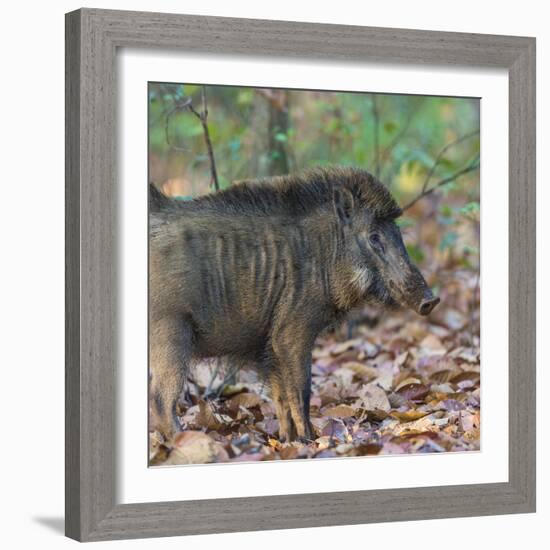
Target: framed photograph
[[300, 275]]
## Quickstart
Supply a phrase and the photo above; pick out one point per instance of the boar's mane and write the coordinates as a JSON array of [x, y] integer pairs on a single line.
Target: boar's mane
[[290, 195]]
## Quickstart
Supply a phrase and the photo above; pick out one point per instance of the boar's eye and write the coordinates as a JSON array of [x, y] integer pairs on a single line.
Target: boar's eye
[[376, 242]]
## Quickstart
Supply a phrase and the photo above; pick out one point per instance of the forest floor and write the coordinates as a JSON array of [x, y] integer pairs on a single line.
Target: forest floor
[[389, 383]]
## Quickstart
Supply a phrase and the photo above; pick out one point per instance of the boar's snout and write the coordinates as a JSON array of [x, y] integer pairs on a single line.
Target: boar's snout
[[417, 293], [428, 303]]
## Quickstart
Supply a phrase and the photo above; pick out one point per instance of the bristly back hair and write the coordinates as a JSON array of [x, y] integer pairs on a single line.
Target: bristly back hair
[[293, 195]]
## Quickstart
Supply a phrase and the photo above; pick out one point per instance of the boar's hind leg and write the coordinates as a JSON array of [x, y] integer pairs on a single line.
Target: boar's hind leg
[[293, 365], [170, 350]]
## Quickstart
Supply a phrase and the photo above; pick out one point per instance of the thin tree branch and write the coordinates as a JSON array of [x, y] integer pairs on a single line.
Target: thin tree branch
[[474, 165], [203, 117], [442, 152]]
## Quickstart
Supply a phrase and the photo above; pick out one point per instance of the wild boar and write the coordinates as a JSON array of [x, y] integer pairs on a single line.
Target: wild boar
[[257, 271]]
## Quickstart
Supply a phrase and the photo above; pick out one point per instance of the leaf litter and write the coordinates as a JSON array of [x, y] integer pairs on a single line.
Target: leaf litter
[[402, 385]]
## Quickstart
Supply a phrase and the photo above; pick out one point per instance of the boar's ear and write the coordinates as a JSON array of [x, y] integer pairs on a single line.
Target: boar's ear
[[343, 204]]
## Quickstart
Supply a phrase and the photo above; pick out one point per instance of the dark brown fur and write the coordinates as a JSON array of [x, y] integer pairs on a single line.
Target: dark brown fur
[[257, 271]]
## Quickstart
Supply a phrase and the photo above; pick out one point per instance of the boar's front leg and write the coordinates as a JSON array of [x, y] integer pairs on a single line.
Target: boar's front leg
[[287, 431], [292, 372], [169, 353]]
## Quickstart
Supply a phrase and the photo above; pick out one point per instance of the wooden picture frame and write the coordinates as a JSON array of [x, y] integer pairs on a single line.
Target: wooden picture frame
[[92, 39]]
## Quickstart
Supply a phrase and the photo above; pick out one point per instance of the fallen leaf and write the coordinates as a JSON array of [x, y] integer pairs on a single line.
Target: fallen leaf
[[335, 429], [195, 448], [431, 345], [441, 388], [246, 400], [427, 423], [406, 382], [469, 421], [450, 405], [441, 376], [373, 397], [360, 369], [341, 347], [340, 411], [208, 418], [409, 416], [385, 374], [401, 359], [414, 392]]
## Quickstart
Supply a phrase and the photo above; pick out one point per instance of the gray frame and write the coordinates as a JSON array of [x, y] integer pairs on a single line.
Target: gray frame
[[92, 39]]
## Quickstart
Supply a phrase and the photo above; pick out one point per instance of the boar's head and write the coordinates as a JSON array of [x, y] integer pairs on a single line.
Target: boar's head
[[373, 246]]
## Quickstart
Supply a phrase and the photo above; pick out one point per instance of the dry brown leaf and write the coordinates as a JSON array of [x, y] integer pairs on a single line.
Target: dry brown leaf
[[431, 345], [469, 421], [336, 430], [450, 405], [385, 374], [208, 418], [442, 376], [195, 448], [466, 376], [409, 416], [246, 400], [441, 389], [373, 397], [414, 392], [367, 372], [340, 411], [341, 347], [410, 380], [427, 423], [401, 359]]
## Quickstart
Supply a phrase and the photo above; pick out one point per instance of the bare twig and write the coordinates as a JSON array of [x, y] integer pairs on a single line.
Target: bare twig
[[474, 165], [203, 117], [442, 152]]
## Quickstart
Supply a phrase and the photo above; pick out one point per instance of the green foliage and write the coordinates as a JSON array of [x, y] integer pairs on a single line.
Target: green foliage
[[415, 252]]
